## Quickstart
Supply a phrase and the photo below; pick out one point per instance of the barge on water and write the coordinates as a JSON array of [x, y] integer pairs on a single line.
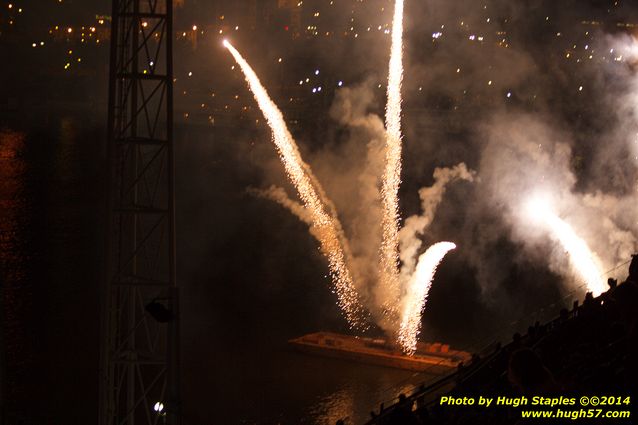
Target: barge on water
[[435, 358]]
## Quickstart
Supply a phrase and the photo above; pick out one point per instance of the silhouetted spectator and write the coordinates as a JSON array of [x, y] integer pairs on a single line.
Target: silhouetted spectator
[[516, 340], [612, 283], [564, 315], [590, 305], [402, 413], [633, 268], [528, 373], [423, 415], [630, 362], [626, 296]]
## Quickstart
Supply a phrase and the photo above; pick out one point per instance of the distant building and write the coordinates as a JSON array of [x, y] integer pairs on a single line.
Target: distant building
[[289, 12]]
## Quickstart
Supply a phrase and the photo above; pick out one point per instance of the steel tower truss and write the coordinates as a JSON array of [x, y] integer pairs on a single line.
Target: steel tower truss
[[139, 365]]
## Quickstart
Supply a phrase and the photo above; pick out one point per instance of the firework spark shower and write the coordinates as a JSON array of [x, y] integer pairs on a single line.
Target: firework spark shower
[[585, 263], [325, 226], [408, 294], [392, 172], [417, 294]]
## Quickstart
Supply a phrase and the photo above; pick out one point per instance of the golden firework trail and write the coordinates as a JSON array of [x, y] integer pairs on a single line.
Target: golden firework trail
[[417, 294], [326, 226], [392, 172], [583, 260]]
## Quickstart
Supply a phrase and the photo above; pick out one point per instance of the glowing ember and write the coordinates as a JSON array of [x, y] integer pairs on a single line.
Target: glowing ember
[[392, 173], [326, 226], [417, 294], [583, 260]]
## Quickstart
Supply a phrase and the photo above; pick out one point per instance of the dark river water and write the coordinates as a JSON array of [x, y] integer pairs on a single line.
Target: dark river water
[[249, 274]]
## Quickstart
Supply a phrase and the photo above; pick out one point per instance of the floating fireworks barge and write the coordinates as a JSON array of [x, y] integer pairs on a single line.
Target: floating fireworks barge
[[436, 358]]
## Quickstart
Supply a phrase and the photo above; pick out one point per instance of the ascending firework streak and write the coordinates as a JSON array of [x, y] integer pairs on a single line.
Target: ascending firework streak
[[419, 284], [392, 173], [327, 228], [417, 294], [585, 262]]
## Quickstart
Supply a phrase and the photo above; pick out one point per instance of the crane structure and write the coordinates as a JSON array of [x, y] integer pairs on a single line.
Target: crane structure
[[139, 365]]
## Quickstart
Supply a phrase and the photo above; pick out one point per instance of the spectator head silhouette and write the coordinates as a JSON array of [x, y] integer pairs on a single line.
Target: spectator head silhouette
[[528, 374]]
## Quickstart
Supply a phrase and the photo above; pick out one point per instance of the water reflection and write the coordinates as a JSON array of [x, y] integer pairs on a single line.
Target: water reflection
[[14, 259], [338, 405], [361, 389]]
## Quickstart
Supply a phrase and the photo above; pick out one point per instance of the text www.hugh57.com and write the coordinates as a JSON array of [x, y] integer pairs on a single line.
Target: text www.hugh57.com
[[575, 414]]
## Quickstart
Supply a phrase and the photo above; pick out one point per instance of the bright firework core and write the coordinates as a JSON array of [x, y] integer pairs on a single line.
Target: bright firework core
[[584, 262], [389, 255], [418, 289]]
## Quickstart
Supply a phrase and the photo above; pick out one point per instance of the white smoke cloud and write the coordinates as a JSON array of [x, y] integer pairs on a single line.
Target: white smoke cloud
[[525, 156], [280, 196], [415, 226]]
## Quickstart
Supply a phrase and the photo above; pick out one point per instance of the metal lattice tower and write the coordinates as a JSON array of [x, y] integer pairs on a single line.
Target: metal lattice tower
[[139, 365]]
